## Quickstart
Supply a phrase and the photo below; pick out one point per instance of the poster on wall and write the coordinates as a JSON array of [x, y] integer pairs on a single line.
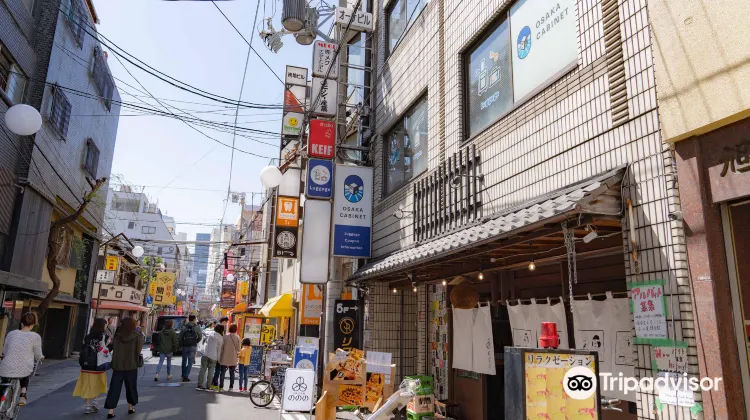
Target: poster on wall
[[347, 324], [352, 211], [545, 42], [545, 398], [438, 339], [228, 293], [526, 322], [649, 310]]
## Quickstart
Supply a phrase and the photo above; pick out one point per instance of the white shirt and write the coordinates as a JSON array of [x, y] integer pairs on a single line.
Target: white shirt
[[212, 349], [21, 350]]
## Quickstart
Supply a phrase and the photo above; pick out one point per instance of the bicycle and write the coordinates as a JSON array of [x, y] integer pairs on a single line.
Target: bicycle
[[263, 392], [10, 392]]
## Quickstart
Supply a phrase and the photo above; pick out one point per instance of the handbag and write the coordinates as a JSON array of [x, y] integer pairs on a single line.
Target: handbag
[[103, 357]]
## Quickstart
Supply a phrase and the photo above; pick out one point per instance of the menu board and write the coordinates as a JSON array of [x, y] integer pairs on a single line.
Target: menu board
[[256, 360]]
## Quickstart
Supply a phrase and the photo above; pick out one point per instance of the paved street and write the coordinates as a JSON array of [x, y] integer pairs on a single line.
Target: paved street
[[156, 401]]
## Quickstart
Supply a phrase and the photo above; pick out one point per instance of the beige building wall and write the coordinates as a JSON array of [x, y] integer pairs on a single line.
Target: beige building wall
[[702, 64]]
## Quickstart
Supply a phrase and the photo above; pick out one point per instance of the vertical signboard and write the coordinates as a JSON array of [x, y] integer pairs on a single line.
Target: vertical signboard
[[319, 179], [162, 288], [324, 96], [323, 53], [287, 227], [352, 211], [295, 98], [295, 102], [228, 293], [312, 304], [296, 76], [347, 321], [315, 242], [321, 139]]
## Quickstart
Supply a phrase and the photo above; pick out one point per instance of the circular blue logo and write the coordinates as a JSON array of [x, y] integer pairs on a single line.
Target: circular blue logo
[[524, 42], [354, 189]]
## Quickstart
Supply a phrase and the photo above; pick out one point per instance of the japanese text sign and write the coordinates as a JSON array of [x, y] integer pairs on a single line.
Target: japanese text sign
[[296, 76], [163, 286], [324, 96], [544, 373], [362, 20], [111, 263], [105, 276], [287, 211], [347, 322], [649, 314], [312, 304], [670, 359], [323, 54], [322, 139], [319, 178]]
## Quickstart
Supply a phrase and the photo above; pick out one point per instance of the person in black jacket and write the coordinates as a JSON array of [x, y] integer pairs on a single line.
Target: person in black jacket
[[125, 360], [92, 383]]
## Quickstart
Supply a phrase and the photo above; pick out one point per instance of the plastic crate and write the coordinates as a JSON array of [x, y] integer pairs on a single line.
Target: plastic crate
[[426, 384]]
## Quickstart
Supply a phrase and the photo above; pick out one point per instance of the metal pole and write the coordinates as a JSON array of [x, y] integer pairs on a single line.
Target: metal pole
[[99, 288]]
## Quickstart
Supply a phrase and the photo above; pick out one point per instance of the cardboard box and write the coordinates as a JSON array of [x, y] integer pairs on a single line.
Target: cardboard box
[[421, 404]]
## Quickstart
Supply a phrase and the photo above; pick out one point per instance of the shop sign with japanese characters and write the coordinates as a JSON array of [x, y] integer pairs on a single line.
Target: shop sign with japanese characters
[[322, 139], [118, 293], [319, 178], [362, 20], [323, 60], [324, 96], [105, 276], [287, 227], [649, 316], [296, 76], [671, 358]]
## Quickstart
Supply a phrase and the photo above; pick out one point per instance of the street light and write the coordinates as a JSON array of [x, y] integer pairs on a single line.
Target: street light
[[230, 278], [270, 176], [23, 119], [137, 251]]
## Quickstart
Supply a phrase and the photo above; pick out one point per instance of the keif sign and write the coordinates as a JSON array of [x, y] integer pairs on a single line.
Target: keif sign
[[298, 390], [352, 211], [319, 178], [322, 139]]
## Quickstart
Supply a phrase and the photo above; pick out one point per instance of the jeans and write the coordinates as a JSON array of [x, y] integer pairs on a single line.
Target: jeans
[[223, 375], [188, 360], [244, 370], [163, 356], [204, 376], [217, 372], [130, 377]]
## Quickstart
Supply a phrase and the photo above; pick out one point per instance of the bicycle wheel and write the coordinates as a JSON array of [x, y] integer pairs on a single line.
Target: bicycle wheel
[[262, 393]]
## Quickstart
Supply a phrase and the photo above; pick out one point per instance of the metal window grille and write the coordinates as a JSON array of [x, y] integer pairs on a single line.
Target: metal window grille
[[91, 158], [76, 18], [60, 111], [102, 78]]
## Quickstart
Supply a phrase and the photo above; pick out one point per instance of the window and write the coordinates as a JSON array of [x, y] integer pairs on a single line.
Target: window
[[60, 111], [159, 250], [407, 148], [131, 225], [12, 78], [102, 78], [76, 19], [242, 251], [148, 229], [91, 158], [400, 17], [126, 204]]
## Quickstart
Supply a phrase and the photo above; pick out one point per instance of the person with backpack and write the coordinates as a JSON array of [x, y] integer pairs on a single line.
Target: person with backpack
[[190, 337], [92, 381], [168, 344]]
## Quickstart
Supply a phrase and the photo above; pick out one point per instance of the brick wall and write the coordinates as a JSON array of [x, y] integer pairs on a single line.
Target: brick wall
[[561, 136]]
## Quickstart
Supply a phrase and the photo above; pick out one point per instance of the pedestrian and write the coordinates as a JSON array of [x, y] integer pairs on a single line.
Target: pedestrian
[[92, 383], [168, 344], [210, 356], [244, 361], [22, 349], [228, 359], [110, 327], [223, 321], [125, 360], [190, 336]]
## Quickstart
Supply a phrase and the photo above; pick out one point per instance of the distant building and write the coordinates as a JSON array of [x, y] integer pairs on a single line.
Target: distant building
[[200, 259]]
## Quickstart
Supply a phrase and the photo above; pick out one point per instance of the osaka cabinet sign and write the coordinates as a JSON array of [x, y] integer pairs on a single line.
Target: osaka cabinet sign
[[352, 211]]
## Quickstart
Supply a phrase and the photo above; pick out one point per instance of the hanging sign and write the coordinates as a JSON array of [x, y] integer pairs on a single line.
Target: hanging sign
[[352, 211], [362, 20], [163, 286], [347, 322], [649, 304], [287, 227], [228, 293], [292, 124], [312, 304], [111, 263], [105, 276], [296, 76], [324, 96], [323, 53], [295, 98], [319, 179], [298, 390], [322, 139]]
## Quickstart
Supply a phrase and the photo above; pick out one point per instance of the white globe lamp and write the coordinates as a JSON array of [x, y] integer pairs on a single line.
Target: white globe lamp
[[23, 119], [270, 176], [230, 278], [137, 251]]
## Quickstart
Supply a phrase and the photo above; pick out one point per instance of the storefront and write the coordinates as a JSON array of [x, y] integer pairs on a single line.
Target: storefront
[[281, 308], [118, 302], [714, 178], [527, 265]]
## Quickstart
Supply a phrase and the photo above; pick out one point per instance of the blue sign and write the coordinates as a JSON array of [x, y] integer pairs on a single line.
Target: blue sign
[[305, 358], [352, 211], [319, 178], [149, 300], [524, 42]]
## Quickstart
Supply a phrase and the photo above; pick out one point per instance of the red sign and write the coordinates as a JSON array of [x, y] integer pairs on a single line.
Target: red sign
[[322, 139]]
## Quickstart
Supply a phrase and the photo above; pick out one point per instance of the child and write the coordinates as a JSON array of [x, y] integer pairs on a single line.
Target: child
[[244, 363]]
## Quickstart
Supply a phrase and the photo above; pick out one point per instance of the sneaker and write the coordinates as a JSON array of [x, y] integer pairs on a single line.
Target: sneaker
[[88, 410], [95, 408], [231, 389], [169, 378], [22, 400], [214, 388], [156, 378], [200, 388], [185, 379]]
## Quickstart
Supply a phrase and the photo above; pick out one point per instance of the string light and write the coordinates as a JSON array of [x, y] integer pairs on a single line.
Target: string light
[[444, 282], [394, 290], [532, 266], [415, 289], [481, 276]]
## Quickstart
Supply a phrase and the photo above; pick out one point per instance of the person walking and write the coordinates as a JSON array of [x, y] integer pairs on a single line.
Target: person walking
[[190, 336], [111, 328], [168, 344], [126, 352], [228, 359], [224, 322], [22, 349], [244, 361], [210, 356], [91, 381]]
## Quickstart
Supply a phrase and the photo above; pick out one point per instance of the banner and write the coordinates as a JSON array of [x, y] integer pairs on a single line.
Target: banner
[[473, 346], [287, 227], [312, 304], [352, 211], [163, 288], [323, 53], [228, 293], [325, 91], [347, 323], [526, 322]]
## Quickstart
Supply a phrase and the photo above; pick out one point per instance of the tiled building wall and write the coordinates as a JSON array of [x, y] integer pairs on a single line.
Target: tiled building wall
[[561, 136]]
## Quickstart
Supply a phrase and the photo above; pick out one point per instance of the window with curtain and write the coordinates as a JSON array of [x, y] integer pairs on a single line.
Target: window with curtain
[[400, 17], [406, 147]]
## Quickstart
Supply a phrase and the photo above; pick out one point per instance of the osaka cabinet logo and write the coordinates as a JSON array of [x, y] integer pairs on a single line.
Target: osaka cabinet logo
[[524, 42], [354, 189]]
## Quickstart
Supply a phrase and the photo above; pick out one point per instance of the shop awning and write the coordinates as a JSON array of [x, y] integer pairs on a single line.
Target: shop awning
[[599, 195], [124, 306], [241, 307], [62, 297], [280, 306]]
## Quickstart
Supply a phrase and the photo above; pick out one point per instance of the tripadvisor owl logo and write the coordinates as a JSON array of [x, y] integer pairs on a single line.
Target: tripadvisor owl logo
[[579, 383]]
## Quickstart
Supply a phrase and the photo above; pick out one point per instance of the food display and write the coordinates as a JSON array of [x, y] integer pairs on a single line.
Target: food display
[[350, 395], [374, 390]]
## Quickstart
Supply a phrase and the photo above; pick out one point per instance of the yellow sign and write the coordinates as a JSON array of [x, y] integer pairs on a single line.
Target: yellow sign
[[287, 211], [244, 288], [164, 284], [152, 288], [545, 396], [110, 263], [267, 333]]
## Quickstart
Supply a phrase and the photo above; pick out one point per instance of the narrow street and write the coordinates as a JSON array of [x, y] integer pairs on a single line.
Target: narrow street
[[157, 400]]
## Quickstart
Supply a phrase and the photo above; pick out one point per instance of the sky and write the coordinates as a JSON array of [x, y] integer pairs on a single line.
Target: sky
[[192, 42]]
